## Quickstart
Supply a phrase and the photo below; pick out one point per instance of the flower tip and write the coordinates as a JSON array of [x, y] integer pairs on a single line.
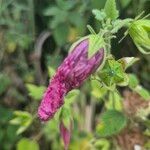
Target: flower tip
[[42, 115]]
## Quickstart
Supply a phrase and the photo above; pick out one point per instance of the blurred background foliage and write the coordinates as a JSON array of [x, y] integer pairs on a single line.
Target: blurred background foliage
[[35, 36]]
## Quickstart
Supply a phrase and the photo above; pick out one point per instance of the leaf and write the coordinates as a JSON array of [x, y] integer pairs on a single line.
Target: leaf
[[98, 4], [143, 92], [65, 5], [133, 81], [111, 10], [5, 82], [97, 90], [61, 34], [51, 11], [51, 71], [102, 144], [27, 144], [114, 101], [99, 15], [112, 73], [36, 92], [118, 24], [23, 119], [112, 122], [128, 61], [95, 43], [125, 3]]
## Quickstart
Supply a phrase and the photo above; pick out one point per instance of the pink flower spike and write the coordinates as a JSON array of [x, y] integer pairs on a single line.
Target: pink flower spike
[[65, 134], [70, 75]]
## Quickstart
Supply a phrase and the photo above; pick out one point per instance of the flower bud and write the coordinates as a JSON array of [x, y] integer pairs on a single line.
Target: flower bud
[[139, 31]]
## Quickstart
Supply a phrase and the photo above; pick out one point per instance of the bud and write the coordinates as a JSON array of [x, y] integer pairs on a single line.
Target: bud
[[65, 134], [139, 31], [75, 69]]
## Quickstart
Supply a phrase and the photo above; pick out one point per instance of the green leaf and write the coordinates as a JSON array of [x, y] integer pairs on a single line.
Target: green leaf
[[36, 92], [51, 11], [143, 92], [97, 90], [114, 101], [118, 24], [61, 34], [111, 10], [71, 96], [27, 144], [133, 81], [102, 144], [5, 82], [128, 61], [65, 5], [125, 3], [66, 116], [112, 73], [98, 4], [23, 119], [95, 43], [99, 15], [51, 71], [112, 122]]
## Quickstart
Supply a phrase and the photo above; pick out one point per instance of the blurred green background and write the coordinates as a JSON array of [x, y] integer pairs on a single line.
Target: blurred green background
[[35, 36]]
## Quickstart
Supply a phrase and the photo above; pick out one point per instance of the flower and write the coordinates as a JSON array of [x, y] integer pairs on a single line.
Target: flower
[[70, 75], [65, 134], [139, 31]]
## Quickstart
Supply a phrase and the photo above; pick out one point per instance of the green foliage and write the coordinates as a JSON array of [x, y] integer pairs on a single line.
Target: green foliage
[[22, 119], [128, 61], [5, 82], [133, 81], [114, 101], [99, 15], [135, 86], [95, 43], [36, 92], [125, 3], [112, 122], [98, 90], [71, 97], [111, 10], [142, 92], [27, 144], [112, 73], [139, 31], [102, 144]]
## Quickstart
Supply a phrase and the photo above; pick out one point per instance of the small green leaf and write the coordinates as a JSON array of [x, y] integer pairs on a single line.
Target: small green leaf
[[95, 43], [114, 101], [111, 10], [97, 90], [36, 92], [51, 11], [5, 82], [112, 122], [142, 92], [51, 71], [125, 3], [133, 81], [99, 15], [128, 61], [102, 144], [112, 72], [71, 96], [27, 144], [23, 119], [66, 116], [61, 34]]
